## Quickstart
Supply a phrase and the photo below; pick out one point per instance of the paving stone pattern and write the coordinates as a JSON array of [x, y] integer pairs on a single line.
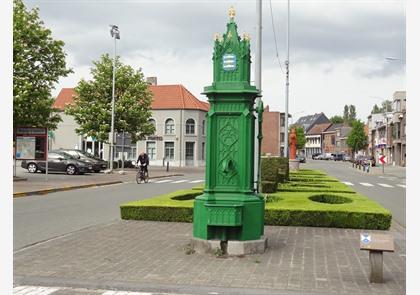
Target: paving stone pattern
[[304, 259]]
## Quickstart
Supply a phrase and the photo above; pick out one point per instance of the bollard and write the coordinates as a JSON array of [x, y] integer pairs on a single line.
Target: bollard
[[167, 166]]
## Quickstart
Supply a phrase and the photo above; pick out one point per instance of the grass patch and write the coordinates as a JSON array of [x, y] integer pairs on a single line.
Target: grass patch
[[321, 201]]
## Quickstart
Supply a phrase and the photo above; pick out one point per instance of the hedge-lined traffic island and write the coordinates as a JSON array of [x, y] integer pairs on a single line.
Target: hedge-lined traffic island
[[309, 198]]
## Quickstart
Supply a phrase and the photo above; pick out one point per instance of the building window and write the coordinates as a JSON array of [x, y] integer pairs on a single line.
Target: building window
[[124, 147], [190, 127], [189, 152], [204, 127], [281, 120], [151, 149], [203, 151], [169, 150], [153, 122], [169, 126], [282, 137]]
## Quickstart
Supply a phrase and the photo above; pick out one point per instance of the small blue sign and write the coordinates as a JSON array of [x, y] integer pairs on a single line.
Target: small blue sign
[[229, 62], [365, 238]]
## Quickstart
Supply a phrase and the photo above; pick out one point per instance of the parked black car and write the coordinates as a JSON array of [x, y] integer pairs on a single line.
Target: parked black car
[[338, 157], [97, 163], [58, 162]]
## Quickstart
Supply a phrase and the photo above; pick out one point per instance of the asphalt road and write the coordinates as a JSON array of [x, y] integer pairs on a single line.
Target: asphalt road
[[42, 217], [39, 218], [388, 189]]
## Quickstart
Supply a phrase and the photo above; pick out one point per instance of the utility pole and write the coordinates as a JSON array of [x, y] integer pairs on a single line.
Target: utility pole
[[286, 111], [258, 60]]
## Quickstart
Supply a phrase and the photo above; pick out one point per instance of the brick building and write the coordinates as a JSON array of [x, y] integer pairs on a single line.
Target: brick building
[[314, 139], [273, 132]]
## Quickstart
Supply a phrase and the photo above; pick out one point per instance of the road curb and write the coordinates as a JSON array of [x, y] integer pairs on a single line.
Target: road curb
[[73, 187]]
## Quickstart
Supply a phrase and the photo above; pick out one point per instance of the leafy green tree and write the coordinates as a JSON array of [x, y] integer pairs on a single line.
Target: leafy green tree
[[346, 113], [376, 109], [337, 119], [352, 114], [357, 139], [38, 63], [93, 102], [386, 106]]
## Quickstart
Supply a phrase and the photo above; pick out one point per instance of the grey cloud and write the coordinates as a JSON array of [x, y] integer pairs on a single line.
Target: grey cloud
[[185, 29]]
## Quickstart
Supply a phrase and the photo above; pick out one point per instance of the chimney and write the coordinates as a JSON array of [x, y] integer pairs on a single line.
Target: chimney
[[152, 80]]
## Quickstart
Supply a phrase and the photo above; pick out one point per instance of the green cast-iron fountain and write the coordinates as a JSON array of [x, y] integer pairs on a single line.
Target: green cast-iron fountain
[[230, 210]]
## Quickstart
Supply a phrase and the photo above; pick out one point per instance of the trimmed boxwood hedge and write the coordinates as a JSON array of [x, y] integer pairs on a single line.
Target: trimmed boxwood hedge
[[281, 208], [268, 186]]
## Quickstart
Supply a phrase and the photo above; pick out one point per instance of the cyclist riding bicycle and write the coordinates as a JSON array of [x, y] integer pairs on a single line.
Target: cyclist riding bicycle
[[144, 162]]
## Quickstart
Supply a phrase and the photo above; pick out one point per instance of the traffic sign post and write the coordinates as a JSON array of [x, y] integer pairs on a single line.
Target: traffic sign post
[[383, 161]]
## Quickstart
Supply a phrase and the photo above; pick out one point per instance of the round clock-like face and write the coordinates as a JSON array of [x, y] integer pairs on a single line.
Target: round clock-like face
[[229, 62]]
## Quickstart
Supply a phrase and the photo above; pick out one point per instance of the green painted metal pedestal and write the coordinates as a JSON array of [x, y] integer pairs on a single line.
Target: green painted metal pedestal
[[230, 214]]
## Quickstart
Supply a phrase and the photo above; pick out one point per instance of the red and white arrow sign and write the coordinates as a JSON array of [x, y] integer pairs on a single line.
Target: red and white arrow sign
[[382, 159]]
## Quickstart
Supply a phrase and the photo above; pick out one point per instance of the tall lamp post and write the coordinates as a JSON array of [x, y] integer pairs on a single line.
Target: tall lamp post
[[286, 115], [115, 33]]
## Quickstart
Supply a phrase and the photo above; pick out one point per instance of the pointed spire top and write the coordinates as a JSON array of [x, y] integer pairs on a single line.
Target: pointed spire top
[[231, 13]]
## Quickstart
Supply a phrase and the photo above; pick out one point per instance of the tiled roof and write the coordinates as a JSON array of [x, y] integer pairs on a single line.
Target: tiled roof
[[64, 97], [164, 97], [175, 97], [318, 128], [333, 127]]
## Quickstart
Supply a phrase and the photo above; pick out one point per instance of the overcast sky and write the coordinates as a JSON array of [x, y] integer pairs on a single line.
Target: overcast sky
[[337, 48]]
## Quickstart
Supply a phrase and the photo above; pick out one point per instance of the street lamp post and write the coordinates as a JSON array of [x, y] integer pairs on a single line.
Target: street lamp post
[[286, 125], [115, 33]]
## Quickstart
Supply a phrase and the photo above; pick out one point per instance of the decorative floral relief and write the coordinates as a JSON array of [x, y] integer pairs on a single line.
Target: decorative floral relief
[[227, 173]]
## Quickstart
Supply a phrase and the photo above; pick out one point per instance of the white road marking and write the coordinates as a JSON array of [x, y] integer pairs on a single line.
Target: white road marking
[[162, 181], [125, 293], [385, 185], [366, 184], [401, 185], [347, 183], [179, 181], [33, 290], [196, 181]]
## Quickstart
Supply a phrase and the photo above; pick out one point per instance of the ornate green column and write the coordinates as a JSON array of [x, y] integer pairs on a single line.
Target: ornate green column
[[230, 210]]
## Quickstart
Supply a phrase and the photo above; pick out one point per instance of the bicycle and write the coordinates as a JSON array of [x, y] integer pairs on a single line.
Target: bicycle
[[142, 176]]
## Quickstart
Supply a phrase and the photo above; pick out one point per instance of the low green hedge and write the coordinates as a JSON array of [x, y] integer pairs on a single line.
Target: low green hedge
[[270, 169], [268, 187], [282, 208], [328, 186], [162, 208]]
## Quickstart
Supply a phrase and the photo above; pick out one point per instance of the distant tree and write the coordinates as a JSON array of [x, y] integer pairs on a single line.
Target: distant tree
[[376, 109], [386, 106], [337, 119], [352, 114], [92, 104], [38, 62], [357, 139], [346, 113]]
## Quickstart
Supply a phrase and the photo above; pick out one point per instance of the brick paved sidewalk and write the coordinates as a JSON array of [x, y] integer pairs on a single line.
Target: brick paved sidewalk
[[151, 256]]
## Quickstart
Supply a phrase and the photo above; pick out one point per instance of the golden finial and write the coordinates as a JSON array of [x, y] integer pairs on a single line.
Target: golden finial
[[231, 12], [216, 37], [246, 36]]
